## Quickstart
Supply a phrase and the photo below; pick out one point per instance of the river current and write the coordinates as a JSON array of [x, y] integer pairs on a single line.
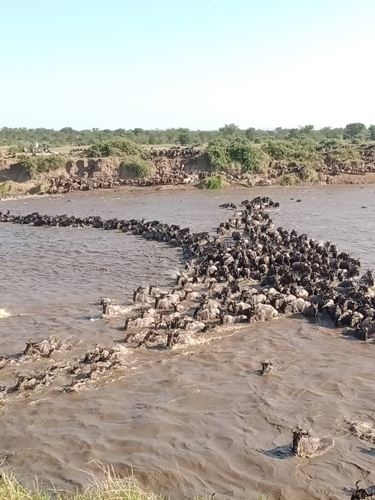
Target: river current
[[196, 419]]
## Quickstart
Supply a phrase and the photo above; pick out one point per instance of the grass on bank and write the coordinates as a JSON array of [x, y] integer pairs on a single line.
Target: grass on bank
[[11, 188], [308, 174], [5, 188], [213, 182], [114, 147], [289, 180], [236, 154], [137, 166], [111, 488], [34, 165]]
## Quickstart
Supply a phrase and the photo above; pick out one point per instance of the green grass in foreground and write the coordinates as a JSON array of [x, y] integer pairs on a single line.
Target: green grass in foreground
[[111, 488]]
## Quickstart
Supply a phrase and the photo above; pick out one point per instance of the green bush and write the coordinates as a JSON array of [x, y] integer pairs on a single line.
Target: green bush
[[34, 165], [5, 188], [48, 163], [71, 137], [247, 156], [140, 167], [239, 153], [213, 182], [29, 164], [308, 174], [15, 149], [355, 131], [288, 180], [339, 152], [292, 150], [115, 147], [217, 154]]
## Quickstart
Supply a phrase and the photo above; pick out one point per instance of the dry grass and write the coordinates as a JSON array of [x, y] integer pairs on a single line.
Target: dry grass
[[112, 487]]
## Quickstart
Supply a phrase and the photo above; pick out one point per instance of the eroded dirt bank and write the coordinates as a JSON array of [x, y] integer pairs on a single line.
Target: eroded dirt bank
[[171, 167]]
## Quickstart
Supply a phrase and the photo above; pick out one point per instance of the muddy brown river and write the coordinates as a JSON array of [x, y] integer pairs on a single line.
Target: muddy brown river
[[196, 419]]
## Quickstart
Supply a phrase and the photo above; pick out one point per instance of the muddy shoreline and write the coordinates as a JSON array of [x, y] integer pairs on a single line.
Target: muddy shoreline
[[339, 180]]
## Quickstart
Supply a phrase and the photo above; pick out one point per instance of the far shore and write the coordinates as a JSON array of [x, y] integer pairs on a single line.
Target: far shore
[[223, 163]]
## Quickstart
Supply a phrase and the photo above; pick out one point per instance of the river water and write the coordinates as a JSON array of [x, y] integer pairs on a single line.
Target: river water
[[197, 418]]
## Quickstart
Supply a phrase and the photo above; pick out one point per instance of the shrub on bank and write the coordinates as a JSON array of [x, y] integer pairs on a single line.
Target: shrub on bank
[[12, 188], [236, 153], [339, 152], [240, 153], [16, 149], [29, 164], [293, 151], [289, 180], [116, 147], [217, 154], [308, 174], [34, 165], [138, 166], [48, 163], [5, 188], [247, 156], [213, 182]]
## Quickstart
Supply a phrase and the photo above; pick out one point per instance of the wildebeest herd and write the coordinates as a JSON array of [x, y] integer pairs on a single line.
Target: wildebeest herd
[[249, 271], [62, 185]]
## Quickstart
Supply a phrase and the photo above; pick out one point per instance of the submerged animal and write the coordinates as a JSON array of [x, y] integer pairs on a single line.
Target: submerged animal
[[363, 430], [307, 446], [266, 367], [361, 493]]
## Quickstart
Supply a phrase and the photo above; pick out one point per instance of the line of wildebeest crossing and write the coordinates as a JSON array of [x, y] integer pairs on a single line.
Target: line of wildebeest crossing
[[249, 271]]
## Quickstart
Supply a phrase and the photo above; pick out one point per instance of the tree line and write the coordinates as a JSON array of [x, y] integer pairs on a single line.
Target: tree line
[[20, 137]]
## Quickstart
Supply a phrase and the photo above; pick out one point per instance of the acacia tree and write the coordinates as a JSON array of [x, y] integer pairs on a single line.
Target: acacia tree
[[229, 130], [371, 132], [250, 133], [184, 136], [355, 131], [306, 130]]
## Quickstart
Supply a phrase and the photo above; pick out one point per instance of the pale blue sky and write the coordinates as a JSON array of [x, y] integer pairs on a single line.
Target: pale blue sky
[[196, 64]]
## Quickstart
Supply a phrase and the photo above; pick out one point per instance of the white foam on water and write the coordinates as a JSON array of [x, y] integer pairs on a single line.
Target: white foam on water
[[4, 313]]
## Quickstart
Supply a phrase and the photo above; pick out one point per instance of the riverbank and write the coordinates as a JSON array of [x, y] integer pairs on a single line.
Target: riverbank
[[16, 191], [220, 164]]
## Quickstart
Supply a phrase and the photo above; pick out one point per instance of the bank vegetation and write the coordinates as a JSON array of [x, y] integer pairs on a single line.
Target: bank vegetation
[[19, 138], [302, 156]]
